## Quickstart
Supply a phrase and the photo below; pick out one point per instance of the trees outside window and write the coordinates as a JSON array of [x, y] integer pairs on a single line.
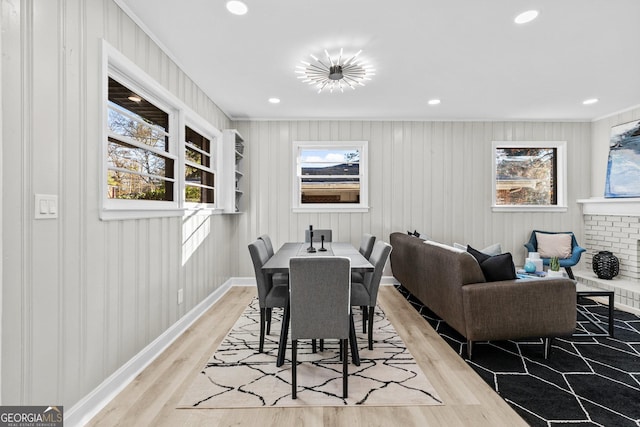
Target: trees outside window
[[529, 174]]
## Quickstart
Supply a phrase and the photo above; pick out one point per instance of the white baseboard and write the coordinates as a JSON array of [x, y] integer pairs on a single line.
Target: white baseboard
[[98, 398], [89, 406]]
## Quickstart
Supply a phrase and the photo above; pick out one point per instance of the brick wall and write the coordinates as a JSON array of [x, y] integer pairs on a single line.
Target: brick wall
[[617, 234]]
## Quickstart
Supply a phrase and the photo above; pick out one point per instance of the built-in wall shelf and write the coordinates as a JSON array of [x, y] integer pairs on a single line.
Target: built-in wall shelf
[[232, 176]]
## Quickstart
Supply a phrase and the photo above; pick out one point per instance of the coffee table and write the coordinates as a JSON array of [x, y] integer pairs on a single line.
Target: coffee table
[[586, 291]]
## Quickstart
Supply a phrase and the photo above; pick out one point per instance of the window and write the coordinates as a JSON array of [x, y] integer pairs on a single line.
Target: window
[[199, 172], [330, 176], [140, 165], [529, 175], [158, 156]]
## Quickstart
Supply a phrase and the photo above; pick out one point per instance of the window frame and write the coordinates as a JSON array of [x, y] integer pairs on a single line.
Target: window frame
[[123, 70], [215, 152], [561, 176], [363, 169]]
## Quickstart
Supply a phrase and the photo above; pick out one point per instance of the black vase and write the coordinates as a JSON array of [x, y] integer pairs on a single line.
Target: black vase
[[605, 265]]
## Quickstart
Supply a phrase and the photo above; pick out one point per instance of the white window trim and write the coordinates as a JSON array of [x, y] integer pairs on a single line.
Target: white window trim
[[561, 185], [122, 69], [363, 206]]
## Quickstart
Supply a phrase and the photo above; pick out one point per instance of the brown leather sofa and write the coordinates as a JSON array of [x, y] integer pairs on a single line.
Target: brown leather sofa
[[450, 282]]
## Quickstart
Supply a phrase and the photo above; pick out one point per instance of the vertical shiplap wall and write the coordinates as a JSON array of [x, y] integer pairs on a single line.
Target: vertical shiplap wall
[[600, 147], [82, 296], [434, 177]]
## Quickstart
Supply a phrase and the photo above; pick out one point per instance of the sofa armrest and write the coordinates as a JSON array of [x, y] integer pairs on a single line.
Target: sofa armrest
[[520, 308]]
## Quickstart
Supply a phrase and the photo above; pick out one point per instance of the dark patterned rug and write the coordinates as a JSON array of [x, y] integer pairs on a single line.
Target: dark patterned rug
[[587, 381]]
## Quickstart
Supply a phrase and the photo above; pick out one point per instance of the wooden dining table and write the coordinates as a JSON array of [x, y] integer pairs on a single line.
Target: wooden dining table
[[279, 263]]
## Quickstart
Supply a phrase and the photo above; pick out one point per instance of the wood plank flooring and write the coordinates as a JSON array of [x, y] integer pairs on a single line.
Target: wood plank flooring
[[151, 399]]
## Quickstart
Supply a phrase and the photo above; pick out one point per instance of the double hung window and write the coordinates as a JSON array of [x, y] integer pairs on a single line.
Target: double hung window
[[140, 163], [199, 168]]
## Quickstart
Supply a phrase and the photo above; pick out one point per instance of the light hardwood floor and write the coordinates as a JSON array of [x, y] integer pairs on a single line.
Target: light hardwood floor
[[151, 399]]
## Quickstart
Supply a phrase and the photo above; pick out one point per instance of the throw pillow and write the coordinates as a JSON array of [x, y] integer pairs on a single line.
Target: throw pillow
[[494, 249], [496, 267], [550, 245]]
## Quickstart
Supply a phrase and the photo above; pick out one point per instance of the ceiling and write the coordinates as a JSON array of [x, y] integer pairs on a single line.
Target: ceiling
[[468, 53]]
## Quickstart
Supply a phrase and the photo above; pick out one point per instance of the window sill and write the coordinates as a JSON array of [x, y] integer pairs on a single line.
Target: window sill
[[331, 209], [513, 208], [122, 214]]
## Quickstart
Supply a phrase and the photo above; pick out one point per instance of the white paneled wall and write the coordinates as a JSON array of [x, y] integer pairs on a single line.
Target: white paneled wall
[[81, 296], [431, 176]]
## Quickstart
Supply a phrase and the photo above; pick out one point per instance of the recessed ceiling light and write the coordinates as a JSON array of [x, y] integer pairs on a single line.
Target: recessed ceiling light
[[590, 101], [434, 102], [525, 17], [274, 100], [237, 7]]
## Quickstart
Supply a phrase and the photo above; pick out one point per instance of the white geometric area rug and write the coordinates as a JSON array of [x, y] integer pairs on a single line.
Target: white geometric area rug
[[237, 376]]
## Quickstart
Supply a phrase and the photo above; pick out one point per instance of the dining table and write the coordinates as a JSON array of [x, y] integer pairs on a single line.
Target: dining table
[[279, 263]]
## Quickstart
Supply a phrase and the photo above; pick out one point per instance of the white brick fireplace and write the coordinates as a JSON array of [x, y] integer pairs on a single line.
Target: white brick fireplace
[[613, 225]]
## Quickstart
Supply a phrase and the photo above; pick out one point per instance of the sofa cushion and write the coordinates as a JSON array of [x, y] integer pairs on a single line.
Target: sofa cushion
[[496, 267], [552, 245]]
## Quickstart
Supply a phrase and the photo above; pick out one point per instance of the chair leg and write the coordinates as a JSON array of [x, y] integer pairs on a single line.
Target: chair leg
[[364, 318], [262, 321], [321, 344], [345, 369], [353, 342], [268, 313], [469, 349], [570, 273], [370, 335], [294, 372], [313, 346], [284, 333]]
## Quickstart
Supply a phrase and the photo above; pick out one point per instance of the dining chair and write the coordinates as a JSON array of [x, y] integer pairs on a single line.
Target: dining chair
[[278, 278], [365, 293], [366, 246], [567, 263], [319, 306], [317, 235], [269, 296]]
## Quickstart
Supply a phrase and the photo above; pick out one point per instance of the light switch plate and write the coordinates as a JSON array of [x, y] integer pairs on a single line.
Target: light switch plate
[[46, 206]]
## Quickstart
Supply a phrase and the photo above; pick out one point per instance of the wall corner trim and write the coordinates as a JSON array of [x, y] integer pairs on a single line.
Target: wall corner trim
[[90, 405]]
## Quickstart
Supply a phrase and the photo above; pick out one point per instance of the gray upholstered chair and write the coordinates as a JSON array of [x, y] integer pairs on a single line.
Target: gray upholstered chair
[[319, 307], [366, 246], [277, 278], [269, 296], [317, 235], [365, 293]]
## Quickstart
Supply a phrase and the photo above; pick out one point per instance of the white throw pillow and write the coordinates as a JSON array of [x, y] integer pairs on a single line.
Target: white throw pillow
[[492, 250], [554, 245]]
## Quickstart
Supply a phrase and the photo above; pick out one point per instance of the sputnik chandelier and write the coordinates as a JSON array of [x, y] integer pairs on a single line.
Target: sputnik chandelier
[[335, 74]]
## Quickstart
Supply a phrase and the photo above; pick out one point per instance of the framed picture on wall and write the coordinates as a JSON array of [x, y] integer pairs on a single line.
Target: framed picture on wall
[[623, 166]]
